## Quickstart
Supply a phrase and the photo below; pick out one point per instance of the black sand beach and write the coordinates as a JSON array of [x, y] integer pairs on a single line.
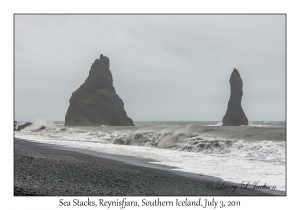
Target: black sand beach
[[49, 170]]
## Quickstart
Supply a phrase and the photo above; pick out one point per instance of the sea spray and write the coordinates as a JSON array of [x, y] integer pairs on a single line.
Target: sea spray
[[256, 152]]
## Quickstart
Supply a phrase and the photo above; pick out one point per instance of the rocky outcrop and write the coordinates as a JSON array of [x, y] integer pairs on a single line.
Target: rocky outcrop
[[21, 127], [42, 127], [95, 102], [235, 115]]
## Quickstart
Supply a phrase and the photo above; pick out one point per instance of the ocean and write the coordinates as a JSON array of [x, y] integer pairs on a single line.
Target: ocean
[[242, 154]]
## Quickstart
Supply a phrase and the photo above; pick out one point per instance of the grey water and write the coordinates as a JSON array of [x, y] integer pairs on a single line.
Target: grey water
[[256, 151]]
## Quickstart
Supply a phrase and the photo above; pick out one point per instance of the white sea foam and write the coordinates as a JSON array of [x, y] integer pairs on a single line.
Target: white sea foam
[[236, 166], [258, 125], [218, 124], [265, 124], [200, 153]]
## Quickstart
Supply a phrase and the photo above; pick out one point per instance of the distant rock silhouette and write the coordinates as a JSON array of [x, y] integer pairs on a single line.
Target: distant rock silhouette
[[235, 115], [95, 102]]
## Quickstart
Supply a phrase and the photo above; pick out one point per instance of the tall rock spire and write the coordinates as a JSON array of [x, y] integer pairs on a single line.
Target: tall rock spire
[[95, 102], [235, 115]]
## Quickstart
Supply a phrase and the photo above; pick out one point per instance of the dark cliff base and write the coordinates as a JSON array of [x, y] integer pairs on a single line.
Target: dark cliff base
[[41, 169]]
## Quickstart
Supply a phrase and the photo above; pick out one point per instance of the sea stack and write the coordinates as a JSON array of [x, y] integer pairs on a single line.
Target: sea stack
[[95, 102], [235, 115]]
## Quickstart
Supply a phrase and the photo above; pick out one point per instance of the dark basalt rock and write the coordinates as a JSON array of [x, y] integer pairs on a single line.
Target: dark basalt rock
[[42, 127], [95, 102], [235, 115], [21, 127]]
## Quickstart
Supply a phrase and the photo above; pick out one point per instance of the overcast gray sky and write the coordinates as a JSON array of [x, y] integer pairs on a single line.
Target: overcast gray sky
[[164, 67]]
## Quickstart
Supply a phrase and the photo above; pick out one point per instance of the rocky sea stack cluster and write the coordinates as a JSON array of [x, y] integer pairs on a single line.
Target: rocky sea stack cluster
[[95, 102], [235, 115]]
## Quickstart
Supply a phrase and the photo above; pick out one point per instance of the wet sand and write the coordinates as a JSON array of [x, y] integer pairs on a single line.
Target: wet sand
[[50, 170]]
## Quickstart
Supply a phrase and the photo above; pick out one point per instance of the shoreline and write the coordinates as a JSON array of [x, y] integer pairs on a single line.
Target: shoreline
[[53, 170]]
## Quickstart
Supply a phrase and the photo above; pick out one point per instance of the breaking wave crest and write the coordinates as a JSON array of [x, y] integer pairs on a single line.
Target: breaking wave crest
[[180, 139], [255, 152]]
